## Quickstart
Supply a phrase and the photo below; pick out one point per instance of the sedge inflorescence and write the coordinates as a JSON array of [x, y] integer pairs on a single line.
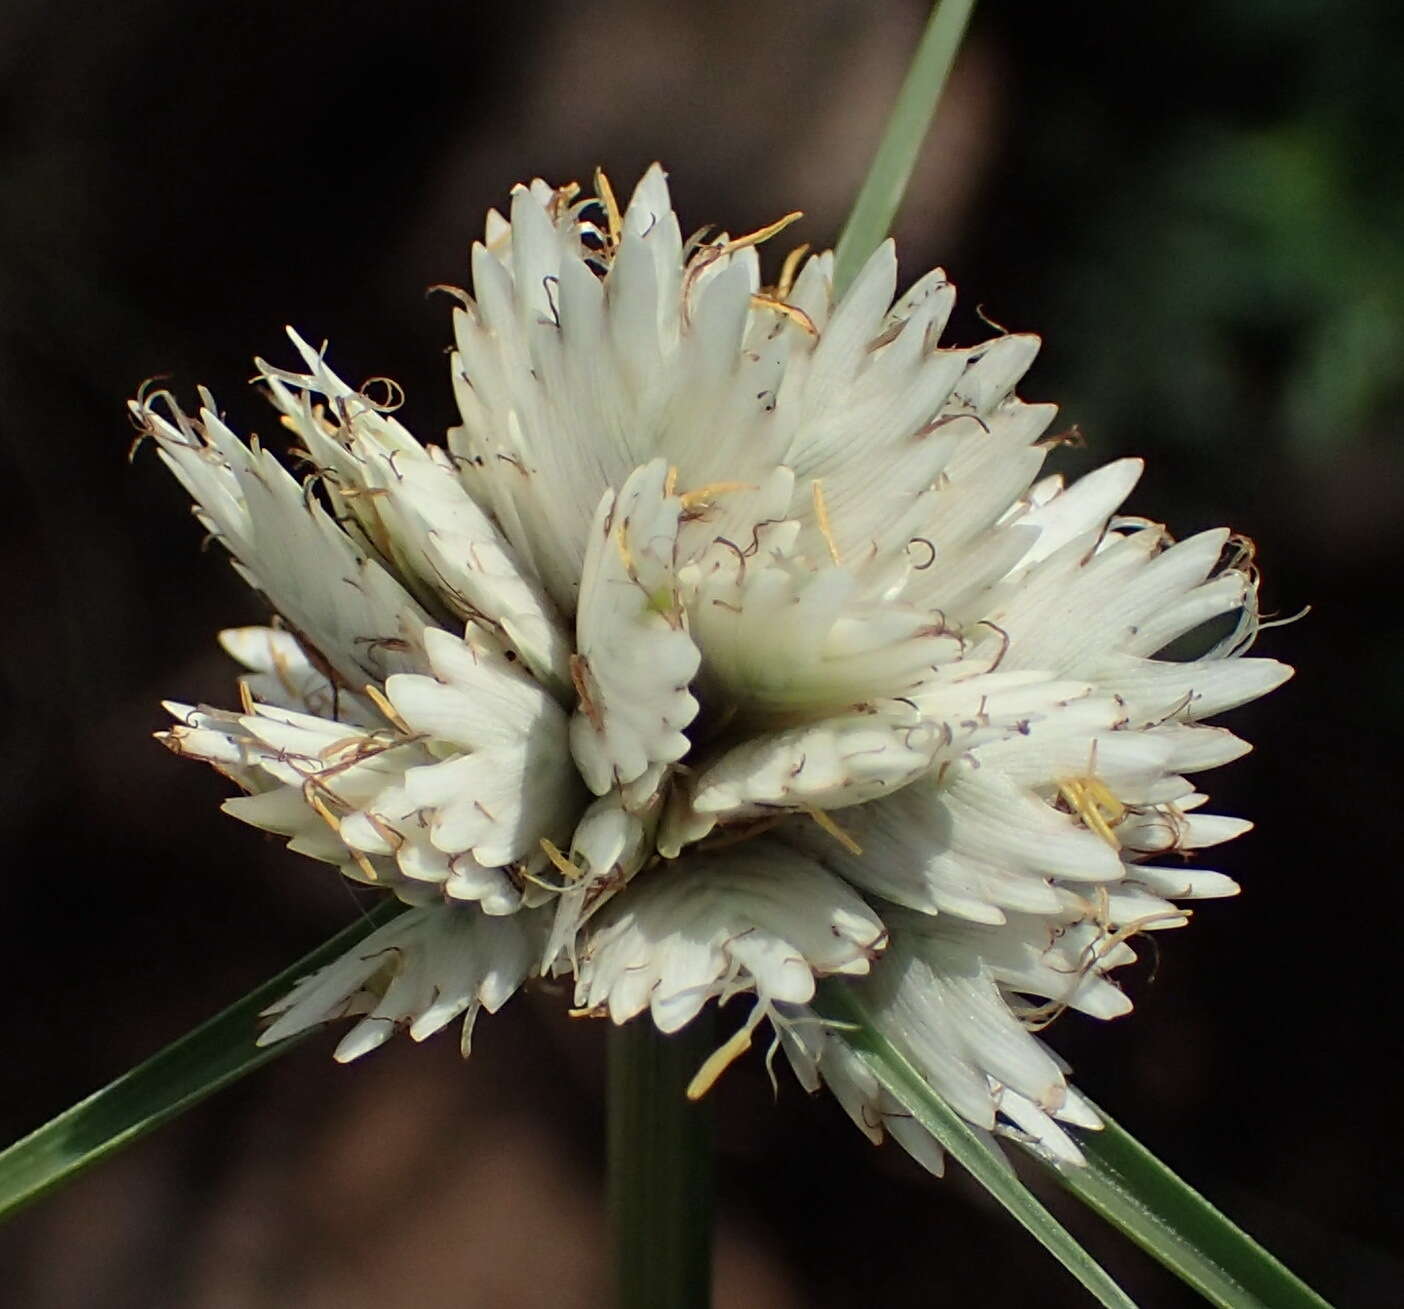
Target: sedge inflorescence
[[731, 641]]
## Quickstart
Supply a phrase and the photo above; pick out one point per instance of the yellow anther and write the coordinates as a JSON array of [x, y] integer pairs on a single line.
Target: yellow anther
[[561, 200], [778, 306], [571, 872], [670, 483], [390, 835], [789, 270], [709, 254], [246, 698], [718, 1062], [342, 743], [605, 192], [364, 865], [387, 710], [1092, 800], [326, 814], [704, 494], [621, 540], [825, 821], [821, 516], [761, 234]]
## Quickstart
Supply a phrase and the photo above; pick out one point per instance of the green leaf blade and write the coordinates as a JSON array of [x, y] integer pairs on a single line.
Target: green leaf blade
[[1176, 1225], [218, 1052], [964, 1144], [886, 183]]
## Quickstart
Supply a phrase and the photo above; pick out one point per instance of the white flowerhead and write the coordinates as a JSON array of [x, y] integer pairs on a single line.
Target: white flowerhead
[[730, 642]]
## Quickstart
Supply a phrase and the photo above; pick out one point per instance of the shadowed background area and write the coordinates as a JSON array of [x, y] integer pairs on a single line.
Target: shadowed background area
[[1199, 210]]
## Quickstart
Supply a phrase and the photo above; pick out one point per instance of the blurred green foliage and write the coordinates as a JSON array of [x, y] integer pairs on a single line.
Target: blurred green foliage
[[1227, 185]]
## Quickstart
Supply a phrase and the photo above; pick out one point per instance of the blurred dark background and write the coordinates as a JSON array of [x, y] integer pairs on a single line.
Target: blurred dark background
[[1199, 206]]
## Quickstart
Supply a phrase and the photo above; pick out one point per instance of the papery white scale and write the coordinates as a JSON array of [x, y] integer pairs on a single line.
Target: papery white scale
[[729, 643]]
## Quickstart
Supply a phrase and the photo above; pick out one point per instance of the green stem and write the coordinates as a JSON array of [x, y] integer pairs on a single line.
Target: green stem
[[660, 1167], [891, 169]]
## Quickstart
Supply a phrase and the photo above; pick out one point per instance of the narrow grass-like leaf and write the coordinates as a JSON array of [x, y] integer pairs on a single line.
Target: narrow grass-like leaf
[[963, 1143], [216, 1053], [1170, 1220], [891, 169]]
